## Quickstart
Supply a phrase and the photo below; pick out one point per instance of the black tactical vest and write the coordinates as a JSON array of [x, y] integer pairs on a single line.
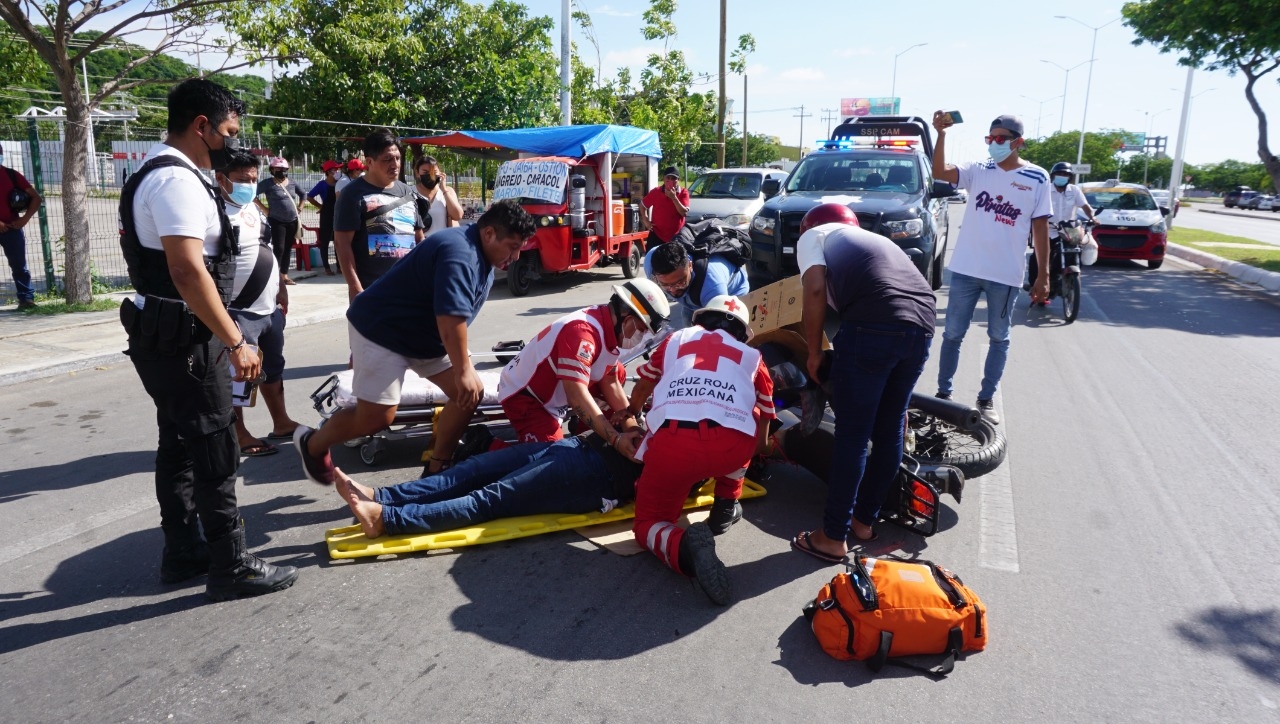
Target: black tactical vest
[[148, 268]]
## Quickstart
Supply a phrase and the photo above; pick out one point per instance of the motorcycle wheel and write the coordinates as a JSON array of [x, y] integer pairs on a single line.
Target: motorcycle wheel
[[1070, 297], [975, 451]]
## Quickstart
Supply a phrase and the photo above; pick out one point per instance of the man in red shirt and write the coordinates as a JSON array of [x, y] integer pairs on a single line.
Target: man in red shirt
[[712, 403], [665, 208], [555, 372], [18, 203]]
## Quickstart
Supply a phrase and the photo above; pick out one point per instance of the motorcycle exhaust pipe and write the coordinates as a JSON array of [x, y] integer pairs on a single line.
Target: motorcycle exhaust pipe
[[962, 416]]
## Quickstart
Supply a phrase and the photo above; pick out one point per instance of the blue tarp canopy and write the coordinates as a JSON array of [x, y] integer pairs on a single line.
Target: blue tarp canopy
[[572, 141]]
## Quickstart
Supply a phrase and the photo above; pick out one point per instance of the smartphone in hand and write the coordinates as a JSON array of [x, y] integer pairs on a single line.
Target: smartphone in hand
[[955, 117]]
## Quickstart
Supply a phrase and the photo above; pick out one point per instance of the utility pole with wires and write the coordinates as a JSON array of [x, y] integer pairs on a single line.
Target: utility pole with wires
[[829, 115], [801, 115]]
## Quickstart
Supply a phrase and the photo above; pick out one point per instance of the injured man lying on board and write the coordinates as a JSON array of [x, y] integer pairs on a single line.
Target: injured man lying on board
[[578, 474]]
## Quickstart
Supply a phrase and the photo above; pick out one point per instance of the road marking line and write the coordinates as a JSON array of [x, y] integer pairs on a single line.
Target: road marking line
[[71, 530], [997, 531]]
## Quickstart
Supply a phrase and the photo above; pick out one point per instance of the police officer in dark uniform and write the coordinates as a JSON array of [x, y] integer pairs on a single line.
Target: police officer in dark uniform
[[179, 247]]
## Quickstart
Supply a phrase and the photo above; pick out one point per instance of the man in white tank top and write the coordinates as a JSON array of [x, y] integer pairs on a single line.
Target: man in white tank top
[[551, 375], [712, 403]]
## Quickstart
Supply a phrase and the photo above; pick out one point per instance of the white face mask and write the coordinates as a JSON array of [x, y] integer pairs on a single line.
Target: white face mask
[[635, 339]]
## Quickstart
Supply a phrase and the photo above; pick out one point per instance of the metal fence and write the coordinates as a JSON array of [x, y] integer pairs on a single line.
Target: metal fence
[[45, 235]]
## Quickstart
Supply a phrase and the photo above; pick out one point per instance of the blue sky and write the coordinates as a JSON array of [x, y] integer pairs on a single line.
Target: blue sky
[[979, 59]]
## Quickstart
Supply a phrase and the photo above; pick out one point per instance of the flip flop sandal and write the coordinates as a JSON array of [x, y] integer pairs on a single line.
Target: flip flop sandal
[[802, 544], [281, 435], [258, 451]]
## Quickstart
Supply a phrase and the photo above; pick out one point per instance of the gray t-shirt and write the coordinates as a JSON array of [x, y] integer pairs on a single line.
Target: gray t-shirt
[[282, 199], [384, 221]]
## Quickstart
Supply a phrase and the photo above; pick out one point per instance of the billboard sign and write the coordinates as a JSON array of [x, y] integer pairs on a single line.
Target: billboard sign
[[870, 106]]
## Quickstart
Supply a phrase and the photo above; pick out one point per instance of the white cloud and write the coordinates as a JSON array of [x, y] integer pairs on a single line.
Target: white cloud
[[802, 74], [630, 57], [610, 10]]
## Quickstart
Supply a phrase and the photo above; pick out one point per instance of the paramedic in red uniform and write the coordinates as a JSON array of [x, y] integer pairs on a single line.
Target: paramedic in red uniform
[[552, 374], [712, 403]]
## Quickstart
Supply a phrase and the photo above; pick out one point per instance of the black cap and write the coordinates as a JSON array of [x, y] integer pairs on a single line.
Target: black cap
[[1012, 124], [670, 171]]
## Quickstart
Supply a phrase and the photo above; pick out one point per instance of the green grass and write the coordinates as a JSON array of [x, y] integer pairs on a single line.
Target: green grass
[[60, 306], [1267, 258]]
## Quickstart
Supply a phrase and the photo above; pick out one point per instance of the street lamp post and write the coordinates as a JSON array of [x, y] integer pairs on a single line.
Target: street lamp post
[[1040, 111], [1089, 83], [1065, 77], [893, 88], [1146, 157]]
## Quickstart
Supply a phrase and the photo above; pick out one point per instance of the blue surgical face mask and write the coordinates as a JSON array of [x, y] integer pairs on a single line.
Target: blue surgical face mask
[[1000, 151], [1060, 181], [242, 194]]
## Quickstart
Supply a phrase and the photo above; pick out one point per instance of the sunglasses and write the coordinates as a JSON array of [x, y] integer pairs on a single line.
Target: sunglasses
[[1001, 140]]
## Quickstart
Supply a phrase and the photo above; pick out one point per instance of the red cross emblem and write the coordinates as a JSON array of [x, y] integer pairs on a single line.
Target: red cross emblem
[[707, 351], [732, 305]]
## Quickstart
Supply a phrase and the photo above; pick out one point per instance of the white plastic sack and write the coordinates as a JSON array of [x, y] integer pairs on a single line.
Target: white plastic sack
[[1088, 250]]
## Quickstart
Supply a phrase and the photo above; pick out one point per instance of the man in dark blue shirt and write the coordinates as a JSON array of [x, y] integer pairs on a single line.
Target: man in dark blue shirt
[[415, 316]]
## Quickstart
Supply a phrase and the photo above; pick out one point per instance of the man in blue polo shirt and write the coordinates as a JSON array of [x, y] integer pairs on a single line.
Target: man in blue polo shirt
[[693, 283], [415, 316]]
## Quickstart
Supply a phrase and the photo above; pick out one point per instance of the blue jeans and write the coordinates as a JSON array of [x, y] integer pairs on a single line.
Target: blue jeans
[[875, 369], [15, 250], [962, 299], [566, 476]]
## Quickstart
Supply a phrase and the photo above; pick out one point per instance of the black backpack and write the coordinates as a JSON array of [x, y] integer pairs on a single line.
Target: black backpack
[[712, 237]]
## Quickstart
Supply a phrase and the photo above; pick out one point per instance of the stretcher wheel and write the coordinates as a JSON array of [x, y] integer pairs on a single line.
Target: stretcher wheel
[[370, 452]]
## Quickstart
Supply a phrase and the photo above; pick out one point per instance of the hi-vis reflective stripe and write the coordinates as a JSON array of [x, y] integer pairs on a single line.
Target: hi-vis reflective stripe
[[657, 539]]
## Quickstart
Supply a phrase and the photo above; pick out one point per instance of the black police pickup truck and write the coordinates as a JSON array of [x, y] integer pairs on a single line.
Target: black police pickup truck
[[880, 166]]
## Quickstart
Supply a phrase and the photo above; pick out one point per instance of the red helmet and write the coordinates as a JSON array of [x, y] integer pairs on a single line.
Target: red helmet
[[828, 214]]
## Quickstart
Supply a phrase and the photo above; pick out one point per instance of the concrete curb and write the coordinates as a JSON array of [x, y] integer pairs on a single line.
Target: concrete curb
[[56, 367], [1241, 214], [1268, 280]]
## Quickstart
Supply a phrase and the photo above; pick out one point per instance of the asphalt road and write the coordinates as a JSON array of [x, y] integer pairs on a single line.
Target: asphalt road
[[1126, 551], [1257, 225]]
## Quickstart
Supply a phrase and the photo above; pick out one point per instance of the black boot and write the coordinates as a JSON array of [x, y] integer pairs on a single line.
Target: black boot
[[698, 559], [186, 556], [724, 513], [235, 572]]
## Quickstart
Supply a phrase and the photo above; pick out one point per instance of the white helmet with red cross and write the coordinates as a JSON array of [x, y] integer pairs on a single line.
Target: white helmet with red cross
[[729, 306], [646, 300]]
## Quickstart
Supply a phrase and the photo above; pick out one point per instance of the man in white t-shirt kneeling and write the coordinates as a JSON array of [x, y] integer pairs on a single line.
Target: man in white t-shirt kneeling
[[1008, 201]]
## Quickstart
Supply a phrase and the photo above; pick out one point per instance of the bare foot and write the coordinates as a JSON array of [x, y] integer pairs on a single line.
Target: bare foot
[[820, 541], [346, 486], [368, 513]]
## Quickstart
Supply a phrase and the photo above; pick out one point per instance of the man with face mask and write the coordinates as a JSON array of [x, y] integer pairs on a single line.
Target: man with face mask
[[179, 247], [415, 316], [259, 300], [283, 200], [552, 374], [1067, 198], [1008, 202]]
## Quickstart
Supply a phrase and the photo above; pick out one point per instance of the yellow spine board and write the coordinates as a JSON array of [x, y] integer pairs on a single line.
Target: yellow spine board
[[349, 542]]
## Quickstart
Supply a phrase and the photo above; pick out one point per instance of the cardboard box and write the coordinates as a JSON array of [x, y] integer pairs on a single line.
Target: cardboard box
[[777, 305]]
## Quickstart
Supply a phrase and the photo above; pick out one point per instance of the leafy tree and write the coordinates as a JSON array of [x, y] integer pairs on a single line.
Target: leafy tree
[[664, 102], [1226, 175], [1100, 151], [52, 30], [1155, 170], [1242, 36], [428, 65], [760, 148]]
